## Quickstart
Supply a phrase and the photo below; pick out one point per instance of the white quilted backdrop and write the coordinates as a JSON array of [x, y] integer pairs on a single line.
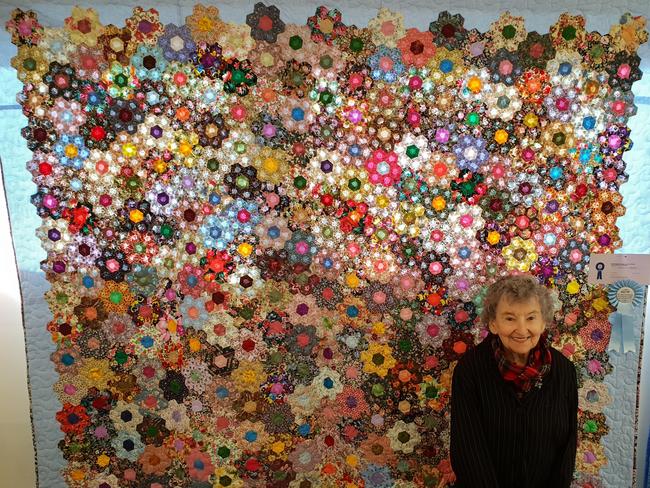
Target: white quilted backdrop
[[539, 15]]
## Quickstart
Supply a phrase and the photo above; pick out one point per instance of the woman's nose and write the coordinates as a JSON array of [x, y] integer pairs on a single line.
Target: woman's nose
[[522, 325]]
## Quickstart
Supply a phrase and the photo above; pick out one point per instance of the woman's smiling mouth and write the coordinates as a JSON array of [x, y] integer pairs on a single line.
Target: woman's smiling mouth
[[519, 339]]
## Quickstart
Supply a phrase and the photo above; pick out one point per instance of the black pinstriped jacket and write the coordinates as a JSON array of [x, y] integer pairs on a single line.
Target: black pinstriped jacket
[[499, 441]]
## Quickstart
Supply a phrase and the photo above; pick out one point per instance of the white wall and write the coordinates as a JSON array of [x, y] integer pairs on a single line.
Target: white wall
[[16, 450]]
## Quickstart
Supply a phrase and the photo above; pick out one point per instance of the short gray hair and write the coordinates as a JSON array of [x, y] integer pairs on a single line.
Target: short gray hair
[[517, 288]]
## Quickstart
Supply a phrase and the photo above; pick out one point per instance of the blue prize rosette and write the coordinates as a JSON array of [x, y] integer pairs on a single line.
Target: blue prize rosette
[[627, 296]]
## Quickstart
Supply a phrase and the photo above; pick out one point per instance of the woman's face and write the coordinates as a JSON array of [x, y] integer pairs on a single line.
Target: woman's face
[[519, 324]]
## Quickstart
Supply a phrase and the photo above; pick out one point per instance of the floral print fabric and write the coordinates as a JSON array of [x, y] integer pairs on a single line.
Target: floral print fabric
[[268, 243]]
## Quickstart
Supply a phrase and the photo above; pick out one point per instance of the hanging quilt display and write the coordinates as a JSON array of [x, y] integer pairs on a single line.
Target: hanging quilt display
[[267, 243]]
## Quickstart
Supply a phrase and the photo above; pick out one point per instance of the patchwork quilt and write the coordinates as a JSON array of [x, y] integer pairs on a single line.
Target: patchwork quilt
[[264, 244]]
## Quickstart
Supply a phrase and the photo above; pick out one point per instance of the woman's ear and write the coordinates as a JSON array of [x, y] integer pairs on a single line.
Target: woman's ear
[[492, 327]]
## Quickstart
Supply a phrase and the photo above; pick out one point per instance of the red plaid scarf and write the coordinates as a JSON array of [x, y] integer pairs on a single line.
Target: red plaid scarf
[[532, 374]]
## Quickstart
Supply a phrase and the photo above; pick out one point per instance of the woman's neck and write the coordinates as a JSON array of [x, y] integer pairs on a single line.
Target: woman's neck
[[518, 359]]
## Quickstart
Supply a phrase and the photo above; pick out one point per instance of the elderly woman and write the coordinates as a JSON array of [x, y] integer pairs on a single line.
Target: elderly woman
[[514, 398]]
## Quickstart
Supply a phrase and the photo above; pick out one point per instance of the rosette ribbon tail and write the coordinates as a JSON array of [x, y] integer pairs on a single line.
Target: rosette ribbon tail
[[627, 296]]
